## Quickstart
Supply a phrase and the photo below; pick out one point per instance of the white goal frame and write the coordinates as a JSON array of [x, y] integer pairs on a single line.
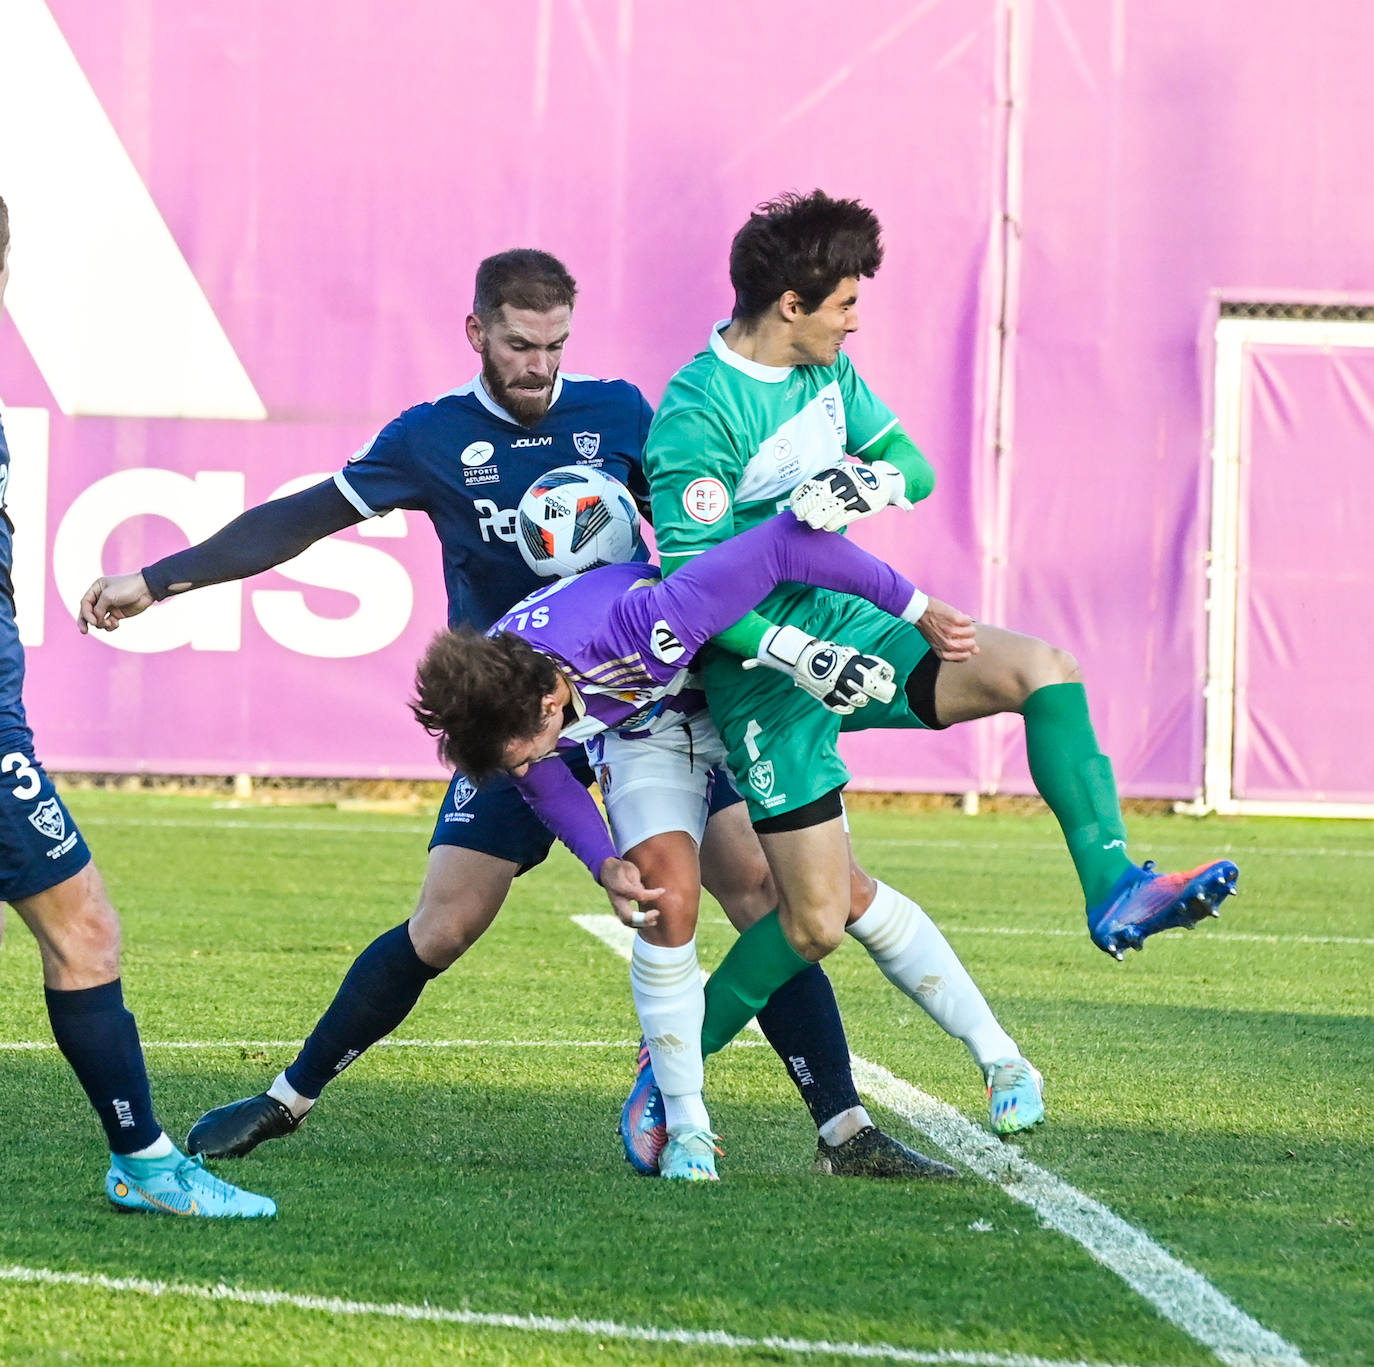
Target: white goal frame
[[1233, 337]]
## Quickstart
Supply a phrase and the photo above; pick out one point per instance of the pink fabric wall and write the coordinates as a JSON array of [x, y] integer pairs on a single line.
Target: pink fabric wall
[[333, 172], [1304, 709]]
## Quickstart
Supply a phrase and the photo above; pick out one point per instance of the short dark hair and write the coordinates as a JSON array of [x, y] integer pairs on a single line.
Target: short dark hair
[[806, 243], [523, 278], [4, 228], [478, 693]]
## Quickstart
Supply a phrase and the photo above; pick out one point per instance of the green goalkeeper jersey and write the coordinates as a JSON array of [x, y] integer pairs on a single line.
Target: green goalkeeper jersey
[[732, 439]]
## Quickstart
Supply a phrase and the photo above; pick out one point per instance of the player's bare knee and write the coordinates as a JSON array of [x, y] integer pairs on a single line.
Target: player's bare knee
[[812, 933], [1037, 665], [443, 931], [862, 890]]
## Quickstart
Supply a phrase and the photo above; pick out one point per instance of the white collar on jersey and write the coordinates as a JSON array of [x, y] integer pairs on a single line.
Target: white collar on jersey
[[475, 386], [769, 374]]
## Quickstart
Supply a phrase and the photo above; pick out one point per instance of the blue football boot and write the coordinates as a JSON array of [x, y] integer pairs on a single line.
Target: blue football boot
[[1144, 902], [643, 1124]]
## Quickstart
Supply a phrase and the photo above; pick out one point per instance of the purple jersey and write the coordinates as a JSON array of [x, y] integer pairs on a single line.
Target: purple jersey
[[623, 639]]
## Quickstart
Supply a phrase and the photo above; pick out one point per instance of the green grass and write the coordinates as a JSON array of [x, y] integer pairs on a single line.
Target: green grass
[[1213, 1091]]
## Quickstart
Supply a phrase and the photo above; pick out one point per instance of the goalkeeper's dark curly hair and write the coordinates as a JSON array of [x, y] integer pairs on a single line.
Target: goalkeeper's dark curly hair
[[807, 243], [478, 693]]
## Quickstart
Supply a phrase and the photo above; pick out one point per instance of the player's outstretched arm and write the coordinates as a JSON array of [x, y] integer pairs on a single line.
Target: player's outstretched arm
[[111, 599], [567, 809], [254, 541]]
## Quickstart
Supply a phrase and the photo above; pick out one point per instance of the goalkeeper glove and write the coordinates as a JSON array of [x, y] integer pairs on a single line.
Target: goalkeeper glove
[[837, 497], [838, 677]]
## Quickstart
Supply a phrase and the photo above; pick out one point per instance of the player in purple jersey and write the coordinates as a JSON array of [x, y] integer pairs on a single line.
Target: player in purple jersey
[[47, 876], [609, 650], [465, 460]]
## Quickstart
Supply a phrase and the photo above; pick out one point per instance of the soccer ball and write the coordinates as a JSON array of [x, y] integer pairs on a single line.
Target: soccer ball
[[576, 518]]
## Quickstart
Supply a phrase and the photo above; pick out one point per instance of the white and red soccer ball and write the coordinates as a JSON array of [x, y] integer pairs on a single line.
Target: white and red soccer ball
[[576, 518]]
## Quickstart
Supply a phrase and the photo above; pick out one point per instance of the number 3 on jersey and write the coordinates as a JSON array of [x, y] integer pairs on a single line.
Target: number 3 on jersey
[[27, 781]]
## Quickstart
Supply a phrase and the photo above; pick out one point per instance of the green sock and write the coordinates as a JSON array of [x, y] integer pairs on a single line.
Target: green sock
[[758, 963], [1076, 779]]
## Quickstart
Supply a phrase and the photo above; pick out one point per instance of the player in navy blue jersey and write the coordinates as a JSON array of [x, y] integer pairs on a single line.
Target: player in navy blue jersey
[[47, 876], [465, 460]]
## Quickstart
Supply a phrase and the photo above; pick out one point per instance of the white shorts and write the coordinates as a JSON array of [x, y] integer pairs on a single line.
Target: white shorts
[[662, 781]]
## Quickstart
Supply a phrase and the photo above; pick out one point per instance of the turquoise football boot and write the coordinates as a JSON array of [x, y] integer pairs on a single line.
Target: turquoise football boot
[[177, 1185]]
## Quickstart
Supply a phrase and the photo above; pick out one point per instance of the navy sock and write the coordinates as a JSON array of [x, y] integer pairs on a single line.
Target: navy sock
[[802, 1022], [380, 991], [99, 1038]]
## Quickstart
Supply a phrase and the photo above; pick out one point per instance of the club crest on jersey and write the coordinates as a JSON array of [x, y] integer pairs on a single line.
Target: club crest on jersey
[[761, 777], [665, 644], [48, 820], [705, 500], [463, 793], [586, 444]]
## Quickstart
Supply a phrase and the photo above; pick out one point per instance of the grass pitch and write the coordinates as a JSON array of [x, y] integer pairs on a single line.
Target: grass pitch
[[468, 1202]]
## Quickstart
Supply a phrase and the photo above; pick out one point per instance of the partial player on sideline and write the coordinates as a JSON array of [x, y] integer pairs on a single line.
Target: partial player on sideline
[[47, 876]]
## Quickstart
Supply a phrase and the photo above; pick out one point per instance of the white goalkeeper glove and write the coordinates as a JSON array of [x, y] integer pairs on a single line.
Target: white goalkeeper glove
[[838, 677], [835, 498]]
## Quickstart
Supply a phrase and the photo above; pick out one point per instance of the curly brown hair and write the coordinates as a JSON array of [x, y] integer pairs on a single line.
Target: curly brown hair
[[807, 243], [477, 693]]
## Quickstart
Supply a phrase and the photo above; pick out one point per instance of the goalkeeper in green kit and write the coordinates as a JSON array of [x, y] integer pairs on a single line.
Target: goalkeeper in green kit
[[766, 418]]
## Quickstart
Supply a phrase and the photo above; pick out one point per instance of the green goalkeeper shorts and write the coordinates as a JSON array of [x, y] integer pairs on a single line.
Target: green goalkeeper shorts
[[783, 745]]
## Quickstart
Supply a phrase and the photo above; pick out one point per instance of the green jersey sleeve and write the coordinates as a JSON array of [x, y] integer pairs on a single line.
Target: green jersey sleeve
[[866, 416], [693, 465]]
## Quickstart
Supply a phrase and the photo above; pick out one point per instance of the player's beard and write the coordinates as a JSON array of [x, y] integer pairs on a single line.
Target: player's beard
[[526, 406]]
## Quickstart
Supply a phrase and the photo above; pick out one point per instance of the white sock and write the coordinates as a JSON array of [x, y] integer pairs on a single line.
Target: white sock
[[289, 1097], [685, 1113], [907, 945], [161, 1147], [845, 1125], [666, 983]]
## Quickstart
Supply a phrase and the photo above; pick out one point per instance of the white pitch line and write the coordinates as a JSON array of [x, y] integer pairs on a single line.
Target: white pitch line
[[1179, 1293], [540, 1324]]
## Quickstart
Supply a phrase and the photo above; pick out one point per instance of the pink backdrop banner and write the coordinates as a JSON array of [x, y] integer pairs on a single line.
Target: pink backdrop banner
[[332, 173], [1307, 577]]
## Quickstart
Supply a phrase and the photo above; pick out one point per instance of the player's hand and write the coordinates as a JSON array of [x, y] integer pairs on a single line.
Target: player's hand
[[621, 880], [952, 634], [835, 498], [109, 600], [840, 678]]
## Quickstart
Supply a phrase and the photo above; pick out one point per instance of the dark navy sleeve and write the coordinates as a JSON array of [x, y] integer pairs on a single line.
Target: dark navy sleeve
[[382, 476], [256, 540]]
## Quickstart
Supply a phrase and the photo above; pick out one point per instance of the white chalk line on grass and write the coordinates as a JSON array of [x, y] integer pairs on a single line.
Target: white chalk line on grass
[[541, 1324], [1179, 1293]]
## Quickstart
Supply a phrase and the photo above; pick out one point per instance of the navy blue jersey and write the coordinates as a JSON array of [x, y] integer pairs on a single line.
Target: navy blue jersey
[[465, 462], [11, 652]]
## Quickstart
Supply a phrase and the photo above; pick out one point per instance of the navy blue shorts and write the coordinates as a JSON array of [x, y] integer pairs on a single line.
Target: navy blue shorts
[[40, 845], [494, 819]]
